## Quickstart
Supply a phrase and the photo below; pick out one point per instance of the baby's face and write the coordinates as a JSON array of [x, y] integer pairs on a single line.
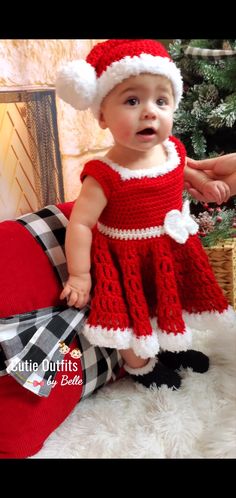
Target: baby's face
[[139, 111]]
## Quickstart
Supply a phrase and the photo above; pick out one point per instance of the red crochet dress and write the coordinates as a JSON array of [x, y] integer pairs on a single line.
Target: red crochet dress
[[151, 275]]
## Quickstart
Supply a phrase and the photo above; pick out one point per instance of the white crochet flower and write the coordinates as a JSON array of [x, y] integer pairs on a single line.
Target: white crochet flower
[[179, 225]]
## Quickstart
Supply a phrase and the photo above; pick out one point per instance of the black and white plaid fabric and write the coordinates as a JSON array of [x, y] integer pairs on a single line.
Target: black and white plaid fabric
[[48, 227], [34, 343], [211, 54]]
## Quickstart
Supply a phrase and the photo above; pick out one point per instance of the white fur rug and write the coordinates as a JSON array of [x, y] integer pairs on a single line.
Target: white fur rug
[[126, 420]]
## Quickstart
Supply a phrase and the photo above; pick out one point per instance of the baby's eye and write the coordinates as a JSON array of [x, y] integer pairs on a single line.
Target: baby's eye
[[161, 102], [132, 101]]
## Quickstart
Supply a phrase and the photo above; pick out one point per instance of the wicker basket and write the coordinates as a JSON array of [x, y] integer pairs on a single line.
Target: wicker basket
[[223, 261]]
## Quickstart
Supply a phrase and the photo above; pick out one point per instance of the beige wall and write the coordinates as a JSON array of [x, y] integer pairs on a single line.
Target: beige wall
[[35, 62]]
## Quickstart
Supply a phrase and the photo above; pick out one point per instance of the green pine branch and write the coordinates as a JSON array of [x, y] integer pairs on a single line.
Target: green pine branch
[[208, 108], [221, 73], [199, 143], [224, 114]]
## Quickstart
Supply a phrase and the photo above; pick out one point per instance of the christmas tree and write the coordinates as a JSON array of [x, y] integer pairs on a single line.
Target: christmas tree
[[206, 118]]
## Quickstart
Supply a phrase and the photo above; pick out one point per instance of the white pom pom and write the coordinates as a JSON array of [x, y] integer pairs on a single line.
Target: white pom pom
[[76, 83]]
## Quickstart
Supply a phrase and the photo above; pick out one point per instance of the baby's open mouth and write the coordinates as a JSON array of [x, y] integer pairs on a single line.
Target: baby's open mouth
[[147, 131]]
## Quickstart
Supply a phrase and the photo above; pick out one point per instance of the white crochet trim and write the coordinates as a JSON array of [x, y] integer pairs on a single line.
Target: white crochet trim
[[126, 173], [133, 234], [143, 370], [212, 320], [175, 342], [132, 66], [143, 346], [178, 225], [149, 346], [171, 341]]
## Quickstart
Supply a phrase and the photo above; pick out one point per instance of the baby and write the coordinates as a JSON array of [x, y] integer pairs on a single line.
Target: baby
[[130, 240]]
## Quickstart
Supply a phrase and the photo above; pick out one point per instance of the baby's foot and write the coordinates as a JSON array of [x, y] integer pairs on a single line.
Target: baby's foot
[[196, 360], [154, 374]]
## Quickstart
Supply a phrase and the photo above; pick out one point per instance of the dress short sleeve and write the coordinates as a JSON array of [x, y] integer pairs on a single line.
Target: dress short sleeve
[[102, 173], [180, 149]]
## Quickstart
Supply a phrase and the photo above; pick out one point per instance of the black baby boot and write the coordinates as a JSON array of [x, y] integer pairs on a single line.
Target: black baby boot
[[154, 373], [196, 360]]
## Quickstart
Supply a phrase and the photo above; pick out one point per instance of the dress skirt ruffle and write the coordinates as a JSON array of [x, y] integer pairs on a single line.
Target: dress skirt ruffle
[[148, 294]]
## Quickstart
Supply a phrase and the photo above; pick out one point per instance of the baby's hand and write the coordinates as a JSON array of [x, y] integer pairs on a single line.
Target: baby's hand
[[77, 289], [216, 191]]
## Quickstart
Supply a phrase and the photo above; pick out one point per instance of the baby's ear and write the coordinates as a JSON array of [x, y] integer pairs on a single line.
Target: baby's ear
[[101, 120]]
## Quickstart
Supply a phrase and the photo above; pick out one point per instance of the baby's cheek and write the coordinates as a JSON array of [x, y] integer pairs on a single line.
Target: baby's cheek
[[126, 134], [125, 125], [126, 131]]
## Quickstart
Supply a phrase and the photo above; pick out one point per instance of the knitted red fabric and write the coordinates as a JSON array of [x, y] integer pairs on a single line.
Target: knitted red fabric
[[152, 277], [105, 53], [28, 281], [137, 203]]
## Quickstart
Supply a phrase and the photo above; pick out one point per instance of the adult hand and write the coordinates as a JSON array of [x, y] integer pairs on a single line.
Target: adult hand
[[215, 167]]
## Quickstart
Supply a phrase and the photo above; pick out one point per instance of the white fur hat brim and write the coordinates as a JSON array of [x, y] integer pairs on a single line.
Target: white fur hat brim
[[77, 83]]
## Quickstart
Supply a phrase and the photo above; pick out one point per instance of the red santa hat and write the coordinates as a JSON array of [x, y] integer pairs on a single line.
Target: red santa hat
[[85, 83]]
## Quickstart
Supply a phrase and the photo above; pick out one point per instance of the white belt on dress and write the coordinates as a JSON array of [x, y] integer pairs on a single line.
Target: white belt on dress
[[177, 224]]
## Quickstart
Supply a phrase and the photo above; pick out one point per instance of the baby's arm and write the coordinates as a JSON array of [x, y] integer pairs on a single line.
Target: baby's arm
[[84, 216], [204, 188]]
